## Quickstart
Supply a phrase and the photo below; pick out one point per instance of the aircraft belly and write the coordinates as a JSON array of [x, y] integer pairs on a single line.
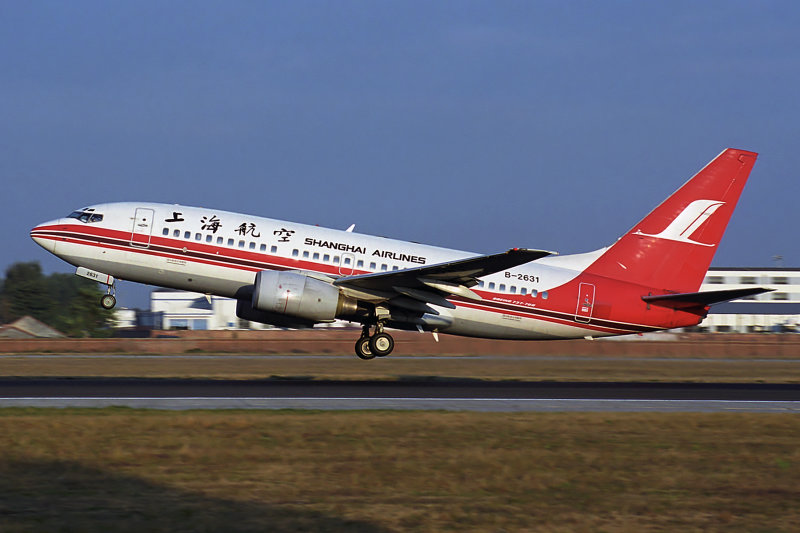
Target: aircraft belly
[[153, 270], [497, 325]]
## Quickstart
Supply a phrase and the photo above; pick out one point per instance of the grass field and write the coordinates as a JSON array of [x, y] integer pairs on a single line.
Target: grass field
[[563, 368], [123, 470]]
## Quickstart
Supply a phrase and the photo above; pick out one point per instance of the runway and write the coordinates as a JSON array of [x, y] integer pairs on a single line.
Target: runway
[[412, 394]]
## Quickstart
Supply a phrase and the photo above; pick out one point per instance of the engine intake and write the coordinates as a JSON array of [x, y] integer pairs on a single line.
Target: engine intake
[[301, 296]]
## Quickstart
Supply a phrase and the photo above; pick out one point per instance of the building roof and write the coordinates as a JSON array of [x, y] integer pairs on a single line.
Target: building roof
[[754, 269], [28, 327]]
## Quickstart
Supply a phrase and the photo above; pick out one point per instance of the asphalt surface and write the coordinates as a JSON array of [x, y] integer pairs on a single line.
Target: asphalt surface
[[410, 388], [412, 394]]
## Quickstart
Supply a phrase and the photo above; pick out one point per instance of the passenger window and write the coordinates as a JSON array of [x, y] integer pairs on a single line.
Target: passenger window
[[220, 240], [252, 245], [544, 295], [305, 254], [262, 248], [241, 244], [513, 290], [326, 258], [360, 263], [165, 231], [346, 260], [523, 291], [209, 238], [187, 235], [176, 233], [480, 283], [384, 266], [491, 285], [295, 252], [373, 266], [534, 293], [273, 250], [395, 267], [230, 242], [335, 259], [198, 237], [502, 287]]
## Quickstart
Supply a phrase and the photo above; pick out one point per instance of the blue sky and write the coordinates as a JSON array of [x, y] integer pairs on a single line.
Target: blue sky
[[472, 125]]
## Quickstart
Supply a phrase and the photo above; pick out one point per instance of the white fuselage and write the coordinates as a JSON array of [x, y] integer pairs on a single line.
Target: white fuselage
[[218, 252]]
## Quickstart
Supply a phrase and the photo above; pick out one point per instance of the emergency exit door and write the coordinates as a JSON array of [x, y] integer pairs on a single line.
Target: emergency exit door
[[142, 227], [583, 312]]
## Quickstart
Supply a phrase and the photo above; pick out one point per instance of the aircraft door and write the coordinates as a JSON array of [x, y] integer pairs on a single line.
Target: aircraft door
[[347, 264], [142, 227], [583, 312]]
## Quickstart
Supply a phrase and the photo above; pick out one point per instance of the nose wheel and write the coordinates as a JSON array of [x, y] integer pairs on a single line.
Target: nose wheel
[[380, 344], [108, 301]]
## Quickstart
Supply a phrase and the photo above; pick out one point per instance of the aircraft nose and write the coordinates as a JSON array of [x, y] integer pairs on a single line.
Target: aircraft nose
[[45, 237]]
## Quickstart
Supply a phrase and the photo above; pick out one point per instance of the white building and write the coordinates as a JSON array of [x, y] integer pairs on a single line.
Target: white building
[[193, 310], [774, 311]]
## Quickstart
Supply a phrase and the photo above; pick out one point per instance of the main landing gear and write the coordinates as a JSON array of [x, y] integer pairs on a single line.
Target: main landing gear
[[379, 344]]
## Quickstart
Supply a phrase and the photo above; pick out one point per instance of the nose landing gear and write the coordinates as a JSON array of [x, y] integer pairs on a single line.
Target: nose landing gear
[[380, 344]]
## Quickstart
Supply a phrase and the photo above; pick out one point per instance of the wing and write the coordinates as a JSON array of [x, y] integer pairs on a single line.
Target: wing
[[414, 288]]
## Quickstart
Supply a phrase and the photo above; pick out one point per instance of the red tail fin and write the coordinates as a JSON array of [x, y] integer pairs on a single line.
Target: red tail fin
[[672, 247]]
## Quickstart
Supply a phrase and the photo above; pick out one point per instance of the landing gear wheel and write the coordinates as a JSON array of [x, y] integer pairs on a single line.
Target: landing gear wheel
[[362, 349], [108, 301], [381, 344]]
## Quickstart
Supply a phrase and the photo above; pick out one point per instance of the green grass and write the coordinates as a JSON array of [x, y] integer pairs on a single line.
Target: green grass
[[128, 470]]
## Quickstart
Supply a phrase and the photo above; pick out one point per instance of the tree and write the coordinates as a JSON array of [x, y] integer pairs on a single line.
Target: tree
[[25, 293], [63, 301]]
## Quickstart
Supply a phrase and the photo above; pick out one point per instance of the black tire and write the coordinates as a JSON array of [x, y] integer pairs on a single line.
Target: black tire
[[108, 301], [362, 349], [381, 344]]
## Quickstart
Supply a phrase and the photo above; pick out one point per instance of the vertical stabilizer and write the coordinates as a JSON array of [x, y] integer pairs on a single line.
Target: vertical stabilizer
[[672, 247]]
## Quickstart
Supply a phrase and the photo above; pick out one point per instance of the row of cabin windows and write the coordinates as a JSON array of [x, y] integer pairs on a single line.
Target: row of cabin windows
[[220, 240], [315, 256], [513, 289], [274, 249]]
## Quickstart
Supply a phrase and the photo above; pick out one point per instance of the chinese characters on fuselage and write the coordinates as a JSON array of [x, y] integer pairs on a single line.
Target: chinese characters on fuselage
[[213, 223]]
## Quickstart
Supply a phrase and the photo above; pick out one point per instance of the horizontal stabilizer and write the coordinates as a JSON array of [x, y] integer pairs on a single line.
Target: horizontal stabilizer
[[701, 299]]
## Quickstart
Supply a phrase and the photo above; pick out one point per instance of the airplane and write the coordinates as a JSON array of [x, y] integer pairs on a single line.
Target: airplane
[[296, 275]]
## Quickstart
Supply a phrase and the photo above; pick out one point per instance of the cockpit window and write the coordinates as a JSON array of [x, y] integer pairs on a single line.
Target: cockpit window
[[87, 216]]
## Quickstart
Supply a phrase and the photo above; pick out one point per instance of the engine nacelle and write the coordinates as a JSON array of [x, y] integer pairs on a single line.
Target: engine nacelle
[[301, 296]]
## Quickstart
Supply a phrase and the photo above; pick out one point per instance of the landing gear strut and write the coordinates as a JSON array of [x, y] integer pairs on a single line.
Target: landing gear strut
[[380, 344]]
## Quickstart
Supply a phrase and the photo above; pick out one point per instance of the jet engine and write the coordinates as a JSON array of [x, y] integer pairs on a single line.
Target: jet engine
[[300, 296]]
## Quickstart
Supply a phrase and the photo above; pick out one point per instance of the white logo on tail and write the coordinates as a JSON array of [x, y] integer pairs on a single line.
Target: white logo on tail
[[691, 218]]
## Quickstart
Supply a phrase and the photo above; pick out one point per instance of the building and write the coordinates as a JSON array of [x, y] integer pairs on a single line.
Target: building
[[191, 310], [776, 311]]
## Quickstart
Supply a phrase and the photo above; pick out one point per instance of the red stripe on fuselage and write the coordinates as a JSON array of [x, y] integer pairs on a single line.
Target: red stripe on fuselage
[[225, 257]]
